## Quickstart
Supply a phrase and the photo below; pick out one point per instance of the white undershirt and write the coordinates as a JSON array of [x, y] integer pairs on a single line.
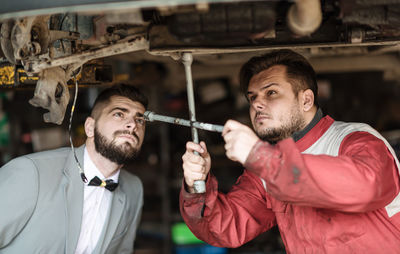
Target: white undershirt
[[96, 203]]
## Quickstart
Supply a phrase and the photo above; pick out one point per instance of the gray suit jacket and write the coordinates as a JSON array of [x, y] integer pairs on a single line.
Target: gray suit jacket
[[41, 203]]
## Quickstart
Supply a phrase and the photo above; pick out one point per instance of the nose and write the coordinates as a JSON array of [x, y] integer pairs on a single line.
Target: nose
[[131, 124], [258, 103]]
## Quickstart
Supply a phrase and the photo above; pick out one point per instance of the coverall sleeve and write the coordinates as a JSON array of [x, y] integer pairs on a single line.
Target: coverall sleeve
[[228, 220], [18, 197], [363, 177]]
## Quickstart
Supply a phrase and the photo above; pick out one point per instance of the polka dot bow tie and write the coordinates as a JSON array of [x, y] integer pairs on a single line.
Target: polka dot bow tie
[[108, 184]]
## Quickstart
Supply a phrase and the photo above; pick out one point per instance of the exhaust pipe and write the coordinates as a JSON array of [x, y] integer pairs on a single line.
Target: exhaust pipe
[[304, 17]]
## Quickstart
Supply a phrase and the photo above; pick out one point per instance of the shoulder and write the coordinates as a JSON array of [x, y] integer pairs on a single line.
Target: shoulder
[[31, 165], [350, 127], [52, 158], [21, 168], [356, 131], [340, 131], [50, 154], [363, 136], [336, 136]]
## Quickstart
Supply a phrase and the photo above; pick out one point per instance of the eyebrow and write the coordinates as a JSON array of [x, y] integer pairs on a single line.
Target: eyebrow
[[118, 108], [125, 110], [264, 87]]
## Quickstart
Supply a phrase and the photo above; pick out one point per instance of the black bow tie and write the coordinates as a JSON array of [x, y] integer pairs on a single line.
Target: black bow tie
[[108, 184]]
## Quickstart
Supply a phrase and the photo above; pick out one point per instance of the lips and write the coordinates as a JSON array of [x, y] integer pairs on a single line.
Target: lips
[[259, 117], [130, 137]]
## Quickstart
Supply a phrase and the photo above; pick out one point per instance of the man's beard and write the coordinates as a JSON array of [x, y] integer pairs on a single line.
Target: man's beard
[[295, 123], [121, 154]]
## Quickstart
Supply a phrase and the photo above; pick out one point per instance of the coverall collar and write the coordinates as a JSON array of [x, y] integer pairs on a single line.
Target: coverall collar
[[317, 117]]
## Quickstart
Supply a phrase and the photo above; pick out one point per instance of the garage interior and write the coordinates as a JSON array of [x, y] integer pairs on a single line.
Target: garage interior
[[354, 48]]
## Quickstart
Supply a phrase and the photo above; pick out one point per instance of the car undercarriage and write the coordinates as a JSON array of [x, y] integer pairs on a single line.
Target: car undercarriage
[[48, 47]]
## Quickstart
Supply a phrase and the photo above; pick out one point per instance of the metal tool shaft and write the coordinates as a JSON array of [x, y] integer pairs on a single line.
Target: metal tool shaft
[[187, 59], [151, 116]]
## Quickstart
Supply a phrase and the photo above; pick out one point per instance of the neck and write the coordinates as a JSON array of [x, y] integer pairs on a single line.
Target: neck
[[309, 115], [104, 165], [311, 119]]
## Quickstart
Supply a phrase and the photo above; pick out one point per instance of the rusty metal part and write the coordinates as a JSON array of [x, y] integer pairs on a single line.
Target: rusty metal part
[[225, 24], [45, 61], [52, 93], [59, 34], [22, 78], [304, 17], [5, 40], [21, 38], [30, 37], [95, 74]]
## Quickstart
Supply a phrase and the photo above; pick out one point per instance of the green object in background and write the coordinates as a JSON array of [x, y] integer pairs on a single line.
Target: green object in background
[[182, 235], [4, 131]]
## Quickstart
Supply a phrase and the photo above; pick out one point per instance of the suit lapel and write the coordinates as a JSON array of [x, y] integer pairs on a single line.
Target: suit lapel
[[114, 216], [73, 194]]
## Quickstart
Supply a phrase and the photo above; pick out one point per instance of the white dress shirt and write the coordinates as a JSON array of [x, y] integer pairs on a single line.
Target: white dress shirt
[[96, 205]]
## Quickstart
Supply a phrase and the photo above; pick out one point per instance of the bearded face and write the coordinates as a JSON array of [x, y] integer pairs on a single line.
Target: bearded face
[[276, 111], [120, 154], [290, 123]]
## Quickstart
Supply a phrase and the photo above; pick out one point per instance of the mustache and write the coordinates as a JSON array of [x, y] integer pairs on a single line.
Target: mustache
[[126, 132], [259, 113]]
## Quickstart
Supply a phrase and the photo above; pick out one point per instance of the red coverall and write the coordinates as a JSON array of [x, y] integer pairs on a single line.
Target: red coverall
[[321, 203]]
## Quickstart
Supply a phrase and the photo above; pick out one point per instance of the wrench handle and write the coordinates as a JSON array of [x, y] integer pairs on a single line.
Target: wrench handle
[[199, 186]]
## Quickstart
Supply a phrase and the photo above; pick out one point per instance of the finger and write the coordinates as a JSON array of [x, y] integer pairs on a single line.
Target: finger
[[191, 146], [229, 136], [188, 156], [203, 146], [231, 125], [226, 128], [194, 159], [227, 146], [230, 155], [195, 176], [190, 179], [190, 167]]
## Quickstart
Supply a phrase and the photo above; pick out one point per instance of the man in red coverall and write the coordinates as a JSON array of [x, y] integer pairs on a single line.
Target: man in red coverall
[[331, 187]]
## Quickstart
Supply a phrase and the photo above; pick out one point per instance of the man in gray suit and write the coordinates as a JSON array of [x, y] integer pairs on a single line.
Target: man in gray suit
[[46, 207]]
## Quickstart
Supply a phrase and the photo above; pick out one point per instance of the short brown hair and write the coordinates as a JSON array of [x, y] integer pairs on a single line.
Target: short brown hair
[[123, 90], [299, 71]]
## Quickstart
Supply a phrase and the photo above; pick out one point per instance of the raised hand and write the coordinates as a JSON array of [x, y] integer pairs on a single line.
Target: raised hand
[[195, 167], [239, 140]]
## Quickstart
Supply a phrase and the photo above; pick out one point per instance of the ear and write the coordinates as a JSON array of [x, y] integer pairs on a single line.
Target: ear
[[89, 127], [307, 97]]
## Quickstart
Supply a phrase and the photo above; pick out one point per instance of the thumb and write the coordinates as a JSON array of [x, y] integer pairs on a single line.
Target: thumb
[[231, 125], [203, 145]]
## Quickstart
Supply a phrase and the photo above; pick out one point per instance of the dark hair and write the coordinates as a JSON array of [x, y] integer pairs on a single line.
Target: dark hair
[[123, 90], [299, 71]]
